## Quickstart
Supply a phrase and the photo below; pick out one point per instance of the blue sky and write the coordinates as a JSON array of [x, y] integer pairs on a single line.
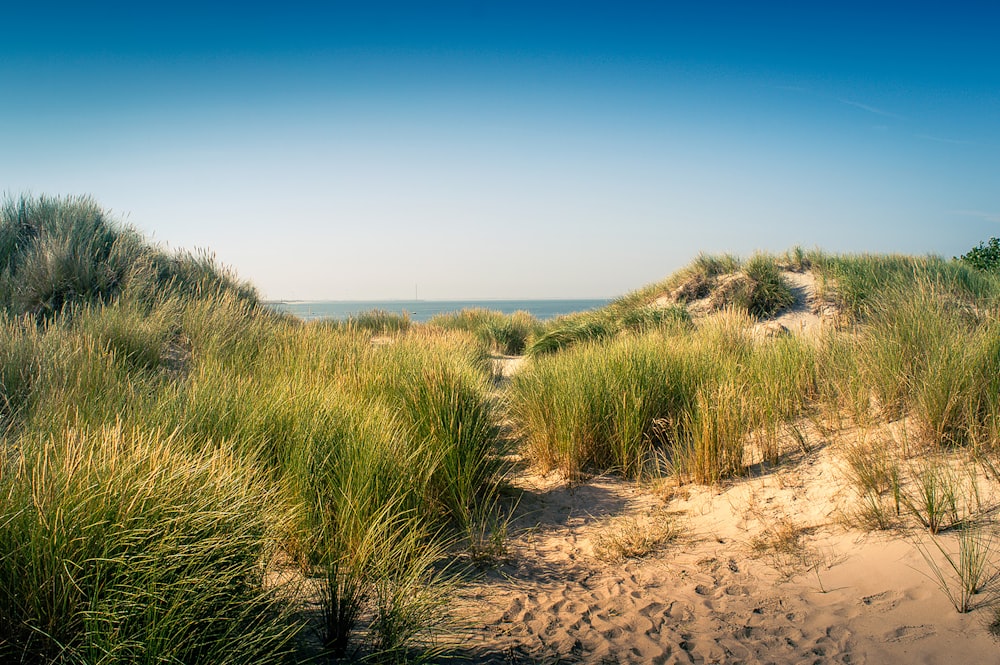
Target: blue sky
[[506, 149]]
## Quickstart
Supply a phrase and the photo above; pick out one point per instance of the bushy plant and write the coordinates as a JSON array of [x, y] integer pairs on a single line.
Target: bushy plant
[[984, 256], [196, 273], [58, 251]]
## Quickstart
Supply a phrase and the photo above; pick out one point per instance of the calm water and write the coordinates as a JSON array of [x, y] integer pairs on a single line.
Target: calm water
[[422, 310]]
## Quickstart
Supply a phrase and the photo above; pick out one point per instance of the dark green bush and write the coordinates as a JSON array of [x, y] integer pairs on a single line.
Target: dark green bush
[[984, 256]]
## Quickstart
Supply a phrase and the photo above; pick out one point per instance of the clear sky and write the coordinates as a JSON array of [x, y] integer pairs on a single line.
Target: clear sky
[[484, 149]]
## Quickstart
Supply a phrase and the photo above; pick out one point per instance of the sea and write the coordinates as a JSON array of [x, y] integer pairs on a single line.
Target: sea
[[421, 311]]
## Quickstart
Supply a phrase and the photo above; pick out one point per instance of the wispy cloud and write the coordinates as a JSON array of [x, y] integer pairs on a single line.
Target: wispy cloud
[[871, 109], [938, 139], [979, 214]]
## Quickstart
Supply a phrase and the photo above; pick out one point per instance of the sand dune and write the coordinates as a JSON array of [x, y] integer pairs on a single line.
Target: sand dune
[[768, 569]]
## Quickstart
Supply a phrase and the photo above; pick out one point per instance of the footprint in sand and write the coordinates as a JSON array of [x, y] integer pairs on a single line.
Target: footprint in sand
[[884, 601], [909, 633], [513, 611], [680, 612]]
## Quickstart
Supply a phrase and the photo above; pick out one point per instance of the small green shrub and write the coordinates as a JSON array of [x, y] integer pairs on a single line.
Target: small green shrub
[[984, 256]]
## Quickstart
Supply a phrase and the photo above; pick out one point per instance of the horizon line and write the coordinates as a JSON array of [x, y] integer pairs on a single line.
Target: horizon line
[[270, 301]]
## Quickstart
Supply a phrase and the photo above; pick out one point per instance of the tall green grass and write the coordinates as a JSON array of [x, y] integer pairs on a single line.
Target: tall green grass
[[56, 252], [364, 464], [857, 282], [380, 322], [117, 548], [504, 333], [566, 331], [687, 401], [921, 353], [164, 436], [387, 453]]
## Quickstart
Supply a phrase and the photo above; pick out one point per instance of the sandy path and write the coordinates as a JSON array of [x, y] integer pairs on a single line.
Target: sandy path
[[714, 594]]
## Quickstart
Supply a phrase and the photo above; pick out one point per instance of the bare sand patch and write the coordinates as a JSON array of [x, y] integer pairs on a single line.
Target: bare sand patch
[[762, 570]]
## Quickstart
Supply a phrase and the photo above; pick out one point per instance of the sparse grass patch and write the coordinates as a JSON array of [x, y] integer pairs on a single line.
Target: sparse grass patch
[[934, 499], [965, 572], [796, 259], [635, 537], [690, 283], [782, 542], [873, 470]]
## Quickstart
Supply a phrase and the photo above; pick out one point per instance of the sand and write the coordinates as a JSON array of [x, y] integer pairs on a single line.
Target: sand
[[720, 591]]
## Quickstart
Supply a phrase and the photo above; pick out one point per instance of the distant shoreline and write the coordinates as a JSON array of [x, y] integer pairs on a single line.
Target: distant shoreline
[[293, 301], [423, 310]]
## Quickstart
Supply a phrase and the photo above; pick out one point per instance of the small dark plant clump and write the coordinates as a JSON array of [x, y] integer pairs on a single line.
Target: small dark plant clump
[[765, 292]]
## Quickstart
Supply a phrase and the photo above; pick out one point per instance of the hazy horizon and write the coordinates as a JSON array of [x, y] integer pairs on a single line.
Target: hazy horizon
[[508, 150]]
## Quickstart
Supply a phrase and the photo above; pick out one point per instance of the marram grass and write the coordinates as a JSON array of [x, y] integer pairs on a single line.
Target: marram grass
[[646, 403], [117, 548], [507, 334]]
